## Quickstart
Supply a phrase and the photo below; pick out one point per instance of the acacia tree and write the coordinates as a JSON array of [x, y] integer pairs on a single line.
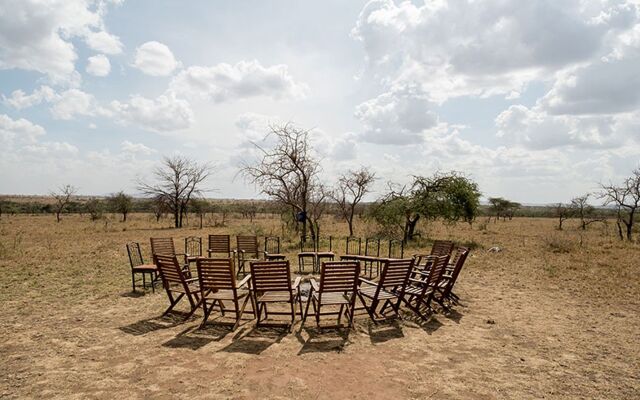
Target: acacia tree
[[288, 172], [200, 208], [178, 179], [350, 189], [626, 199], [63, 198], [121, 203], [562, 212], [501, 207], [585, 211]]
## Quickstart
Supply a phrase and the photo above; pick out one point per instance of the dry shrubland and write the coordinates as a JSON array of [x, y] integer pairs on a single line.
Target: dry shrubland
[[553, 314]]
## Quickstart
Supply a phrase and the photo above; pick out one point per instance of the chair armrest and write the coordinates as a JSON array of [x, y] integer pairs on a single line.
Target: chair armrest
[[243, 281], [367, 281], [191, 280], [315, 285], [296, 283]]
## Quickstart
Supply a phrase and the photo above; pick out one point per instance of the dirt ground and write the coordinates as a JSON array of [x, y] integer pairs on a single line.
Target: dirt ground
[[552, 315]]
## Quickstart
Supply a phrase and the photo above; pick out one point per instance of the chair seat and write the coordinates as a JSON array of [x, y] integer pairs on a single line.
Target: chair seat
[[307, 254], [145, 268], [416, 290], [274, 297], [349, 257], [193, 287], [368, 258], [226, 294], [275, 256], [329, 298], [370, 291], [326, 254]]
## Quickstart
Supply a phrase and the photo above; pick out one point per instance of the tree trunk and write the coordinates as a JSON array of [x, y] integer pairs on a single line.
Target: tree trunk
[[200, 221], [57, 216], [124, 217], [176, 217], [350, 222], [410, 227]]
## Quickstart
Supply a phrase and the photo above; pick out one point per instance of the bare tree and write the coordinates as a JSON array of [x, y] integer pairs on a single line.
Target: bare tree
[[585, 211], [317, 207], [626, 199], [63, 197], [350, 190], [562, 212], [178, 180], [121, 203], [288, 172]]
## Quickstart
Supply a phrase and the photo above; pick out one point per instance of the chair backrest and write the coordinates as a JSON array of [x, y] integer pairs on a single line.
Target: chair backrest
[[396, 249], [372, 247], [135, 255], [308, 246], [395, 273], [169, 268], [459, 258], [339, 276], [321, 245], [353, 246], [272, 244], [216, 274], [247, 243], [193, 245], [162, 245], [442, 247], [270, 276], [219, 244], [436, 271]]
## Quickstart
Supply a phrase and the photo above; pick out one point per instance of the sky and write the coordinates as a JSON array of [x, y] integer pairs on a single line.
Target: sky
[[536, 101]]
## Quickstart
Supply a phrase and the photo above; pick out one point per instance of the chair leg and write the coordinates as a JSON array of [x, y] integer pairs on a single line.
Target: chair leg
[[306, 311], [340, 313], [239, 313], [133, 281], [352, 310], [173, 303]]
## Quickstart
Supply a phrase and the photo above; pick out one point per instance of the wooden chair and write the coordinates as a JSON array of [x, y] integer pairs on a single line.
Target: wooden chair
[[217, 280], [272, 249], [338, 287], [174, 281], [389, 289], [165, 246], [246, 251], [139, 267], [307, 255], [449, 278], [270, 283], [220, 245], [193, 248], [371, 256], [352, 249], [396, 249], [421, 290], [323, 255], [438, 248]]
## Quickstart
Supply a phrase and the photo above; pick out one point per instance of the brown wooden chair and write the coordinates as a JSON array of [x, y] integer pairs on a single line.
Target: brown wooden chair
[[217, 280], [307, 255], [324, 255], [438, 248], [193, 248], [139, 267], [389, 290], [270, 283], [164, 245], [174, 281], [395, 249], [449, 278], [272, 249], [246, 251], [338, 287], [219, 245], [421, 290]]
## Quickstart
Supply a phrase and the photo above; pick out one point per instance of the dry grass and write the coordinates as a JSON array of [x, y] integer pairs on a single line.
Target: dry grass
[[555, 314]]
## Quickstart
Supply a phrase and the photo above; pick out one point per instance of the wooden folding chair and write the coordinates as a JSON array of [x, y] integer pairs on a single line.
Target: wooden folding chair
[[352, 249], [219, 245], [438, 248], [164, 245], [174, 281], [321, 255], [421, 290], [217, 280], [193, 248], [272, 249], [338, 287], [139, 267], [449, 278], [270, 283], [308, 252], [246, 251], [389, 289]]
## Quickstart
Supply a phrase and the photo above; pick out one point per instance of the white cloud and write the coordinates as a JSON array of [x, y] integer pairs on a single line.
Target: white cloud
[[225, 82], [20, 130], [164, 114], [104, 42], [19, 99], [98, 65], [37, 36], [136, 148], [155, 59], [73, 102]]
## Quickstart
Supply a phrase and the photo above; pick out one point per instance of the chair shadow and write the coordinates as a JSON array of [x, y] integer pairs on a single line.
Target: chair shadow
[[256, 340], [323, 340], [430, 325], [453, 315], [384, 331], [194, 338], [134, 295], [153, 324]]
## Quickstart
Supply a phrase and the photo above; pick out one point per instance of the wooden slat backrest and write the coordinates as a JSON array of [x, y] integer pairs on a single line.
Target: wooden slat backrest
[[442, 247], [135, 254], [339, 276], [219, 244], [169, 268], [248, 244], [272, 244], [216, 273], [308, 246], [396, 249], [395, 273], [436, 271], [162, 246], [460, 257], [353, 246], [321, 245], [270, 276], [193, 246], [372, 247]]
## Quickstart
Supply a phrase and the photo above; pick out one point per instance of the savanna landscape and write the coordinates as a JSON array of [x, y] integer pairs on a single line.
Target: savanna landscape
[[554, 314]]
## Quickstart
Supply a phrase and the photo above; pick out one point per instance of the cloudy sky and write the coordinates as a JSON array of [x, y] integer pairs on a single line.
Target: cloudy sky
[[537, 101]]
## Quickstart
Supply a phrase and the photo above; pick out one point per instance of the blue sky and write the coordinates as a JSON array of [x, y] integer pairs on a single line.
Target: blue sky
[[536, 101]]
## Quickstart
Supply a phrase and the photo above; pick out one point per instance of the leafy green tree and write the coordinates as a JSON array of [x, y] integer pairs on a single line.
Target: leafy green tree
[[121, 203]]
